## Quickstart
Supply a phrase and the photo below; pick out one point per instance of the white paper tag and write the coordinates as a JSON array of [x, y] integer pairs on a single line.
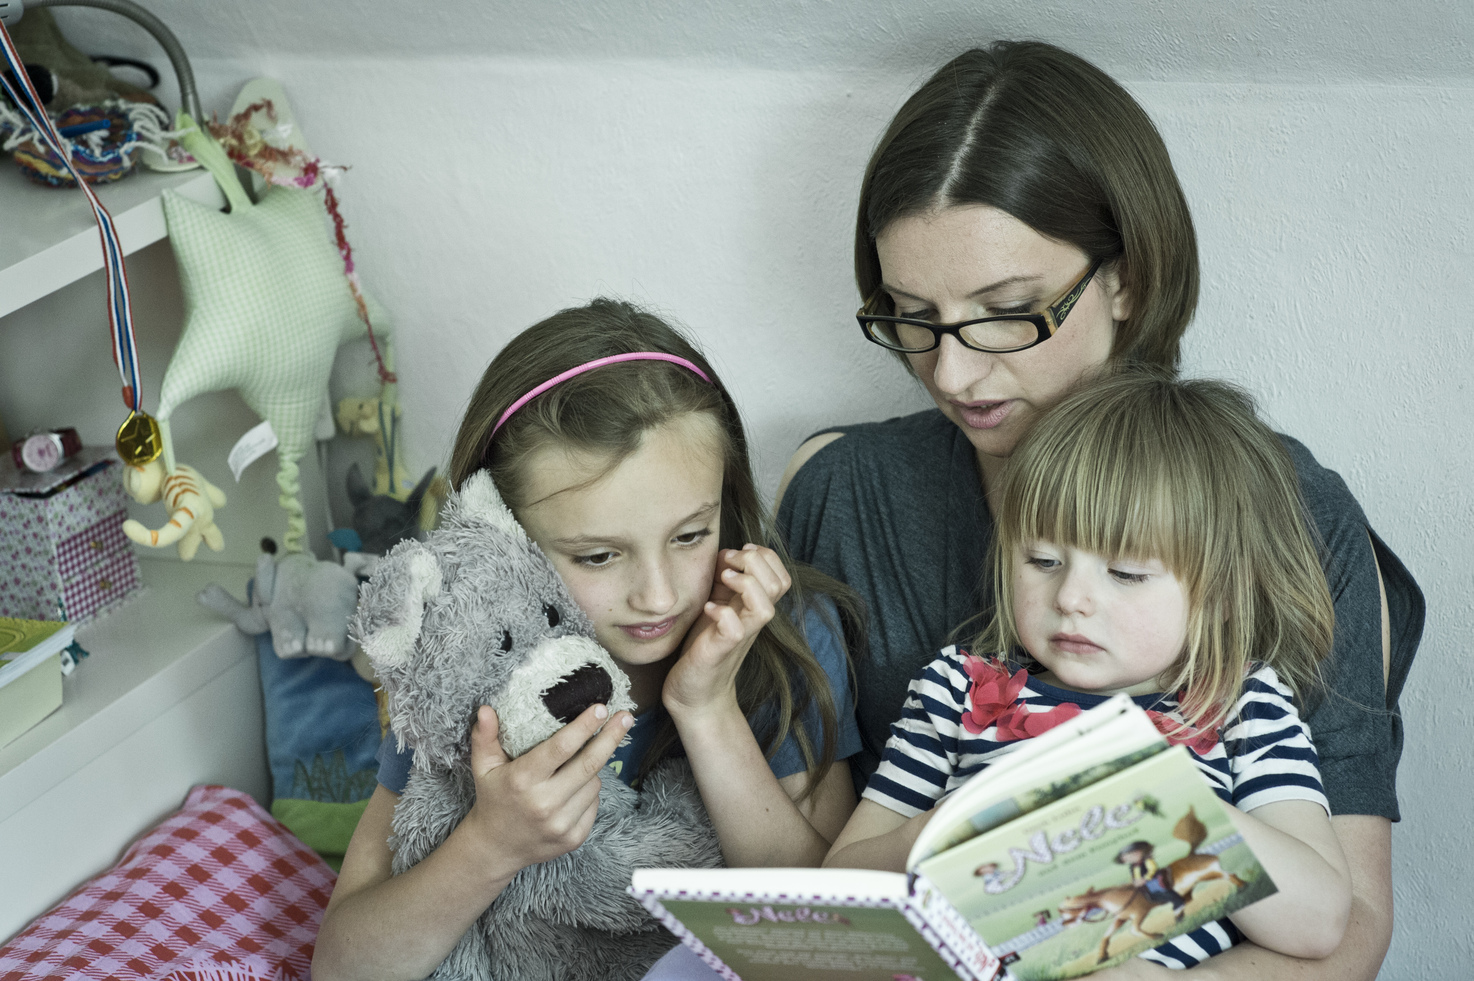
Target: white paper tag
[[250, 448]]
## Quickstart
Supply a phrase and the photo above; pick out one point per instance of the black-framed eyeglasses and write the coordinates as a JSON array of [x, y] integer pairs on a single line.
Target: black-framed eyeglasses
[[996, 335]]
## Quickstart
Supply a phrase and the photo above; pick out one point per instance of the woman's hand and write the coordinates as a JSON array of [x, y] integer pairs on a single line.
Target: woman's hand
[[542, 804], [748, 582]]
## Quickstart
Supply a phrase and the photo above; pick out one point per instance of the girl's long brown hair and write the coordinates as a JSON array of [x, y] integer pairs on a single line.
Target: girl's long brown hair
[[607, 412], [1137, 464]]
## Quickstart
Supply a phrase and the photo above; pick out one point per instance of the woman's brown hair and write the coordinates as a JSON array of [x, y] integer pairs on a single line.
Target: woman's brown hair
[[1055, 142], [1138, 465], [607, 412]]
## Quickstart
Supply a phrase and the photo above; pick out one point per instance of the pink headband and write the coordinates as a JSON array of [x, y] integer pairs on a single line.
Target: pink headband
[[590, 366]]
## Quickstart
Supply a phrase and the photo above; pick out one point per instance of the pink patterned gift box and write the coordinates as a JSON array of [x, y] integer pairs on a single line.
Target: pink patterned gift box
[[61, 536]]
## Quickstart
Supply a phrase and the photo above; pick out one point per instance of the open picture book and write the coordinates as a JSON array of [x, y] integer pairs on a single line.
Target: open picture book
[[1049, 864]]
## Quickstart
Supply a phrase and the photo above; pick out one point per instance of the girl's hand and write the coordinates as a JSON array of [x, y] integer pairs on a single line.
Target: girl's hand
[[542, 804], [747, 584]]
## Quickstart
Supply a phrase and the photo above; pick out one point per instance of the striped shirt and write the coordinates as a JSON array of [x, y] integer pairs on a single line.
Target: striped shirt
[[1265, 755]]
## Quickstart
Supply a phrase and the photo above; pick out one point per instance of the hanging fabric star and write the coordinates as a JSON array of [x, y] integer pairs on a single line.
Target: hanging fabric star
[[266, 307]]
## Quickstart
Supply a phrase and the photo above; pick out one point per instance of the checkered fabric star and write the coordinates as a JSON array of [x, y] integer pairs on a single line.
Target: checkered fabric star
[[266, 307]]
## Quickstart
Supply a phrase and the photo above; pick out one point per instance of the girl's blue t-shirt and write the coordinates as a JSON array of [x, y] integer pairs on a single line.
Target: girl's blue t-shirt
[[828, 648]]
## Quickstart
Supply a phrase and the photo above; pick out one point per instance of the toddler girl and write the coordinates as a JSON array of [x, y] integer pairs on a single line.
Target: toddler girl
[[1150, 540], [622, 455]]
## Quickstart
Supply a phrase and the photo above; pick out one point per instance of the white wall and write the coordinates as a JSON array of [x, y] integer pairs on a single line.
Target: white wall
[[1334, 223], [1335, 231], [721, 197]]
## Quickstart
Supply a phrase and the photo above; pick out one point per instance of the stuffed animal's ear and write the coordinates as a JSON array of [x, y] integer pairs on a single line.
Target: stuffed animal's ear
[[391, 605], [480, 501], [265, 580], [358, 489]]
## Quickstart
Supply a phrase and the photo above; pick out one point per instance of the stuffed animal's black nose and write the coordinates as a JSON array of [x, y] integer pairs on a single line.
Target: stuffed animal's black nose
[[589, 685]]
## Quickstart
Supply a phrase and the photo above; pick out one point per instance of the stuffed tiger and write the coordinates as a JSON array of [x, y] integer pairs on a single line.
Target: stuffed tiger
[[191, 500]]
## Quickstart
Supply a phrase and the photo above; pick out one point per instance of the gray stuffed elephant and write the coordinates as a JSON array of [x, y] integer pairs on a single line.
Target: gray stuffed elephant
[[476, 615], [305, 604]]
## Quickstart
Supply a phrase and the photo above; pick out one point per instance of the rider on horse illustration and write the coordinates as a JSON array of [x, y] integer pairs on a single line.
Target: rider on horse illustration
[[1146, 876]]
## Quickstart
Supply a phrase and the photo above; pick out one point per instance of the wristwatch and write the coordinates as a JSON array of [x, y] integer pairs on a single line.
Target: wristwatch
[[42, 451]]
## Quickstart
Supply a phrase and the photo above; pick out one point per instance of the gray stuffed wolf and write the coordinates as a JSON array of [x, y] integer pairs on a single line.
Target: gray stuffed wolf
[[476, 615]]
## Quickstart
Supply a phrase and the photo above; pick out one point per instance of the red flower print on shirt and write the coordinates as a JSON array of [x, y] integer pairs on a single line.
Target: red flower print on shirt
[[1019, 723], [992, 692], [993, 698], [1200, 741]]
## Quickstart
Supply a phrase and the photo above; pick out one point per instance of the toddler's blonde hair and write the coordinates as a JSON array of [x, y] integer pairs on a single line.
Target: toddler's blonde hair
[[1138, 464]]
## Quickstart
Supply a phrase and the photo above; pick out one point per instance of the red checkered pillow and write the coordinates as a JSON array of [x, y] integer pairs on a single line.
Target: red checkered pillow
[[217, 890]]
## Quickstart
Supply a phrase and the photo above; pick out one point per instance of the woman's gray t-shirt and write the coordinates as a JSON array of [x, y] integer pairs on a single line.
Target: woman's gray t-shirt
[[895, 509]]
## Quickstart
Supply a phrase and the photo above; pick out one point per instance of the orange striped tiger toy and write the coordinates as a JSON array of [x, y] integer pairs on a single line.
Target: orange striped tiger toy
[[191, 500]]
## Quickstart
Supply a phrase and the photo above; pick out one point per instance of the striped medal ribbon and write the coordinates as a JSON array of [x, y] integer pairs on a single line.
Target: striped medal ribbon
[[138, 439]]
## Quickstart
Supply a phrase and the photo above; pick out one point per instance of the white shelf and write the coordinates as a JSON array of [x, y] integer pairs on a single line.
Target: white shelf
[[169, 698], [49, 239]]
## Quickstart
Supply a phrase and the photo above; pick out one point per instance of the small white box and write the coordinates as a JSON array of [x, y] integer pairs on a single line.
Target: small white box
[[30, 698], [30, 682]]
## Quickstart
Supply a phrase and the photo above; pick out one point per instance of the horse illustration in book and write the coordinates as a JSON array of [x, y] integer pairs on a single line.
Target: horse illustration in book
[[1150, 886]]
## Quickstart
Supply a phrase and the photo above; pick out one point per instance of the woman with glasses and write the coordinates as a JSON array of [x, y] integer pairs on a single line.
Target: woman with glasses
[[1020, 227]]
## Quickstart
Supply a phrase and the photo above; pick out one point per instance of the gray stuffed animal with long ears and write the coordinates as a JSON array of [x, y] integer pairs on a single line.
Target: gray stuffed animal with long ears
[[476, 615], [303, 602]]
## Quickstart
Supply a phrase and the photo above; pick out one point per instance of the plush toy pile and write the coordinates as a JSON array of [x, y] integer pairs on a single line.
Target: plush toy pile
[[476, 615]]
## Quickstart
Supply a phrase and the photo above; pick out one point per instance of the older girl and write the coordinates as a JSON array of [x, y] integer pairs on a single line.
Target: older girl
[[617, 448]]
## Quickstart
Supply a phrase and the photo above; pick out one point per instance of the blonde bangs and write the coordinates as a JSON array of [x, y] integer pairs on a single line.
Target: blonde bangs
[[1139, 465], [1112, 484]]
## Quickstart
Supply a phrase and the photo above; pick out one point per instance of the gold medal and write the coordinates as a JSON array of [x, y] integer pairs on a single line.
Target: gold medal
[[139, 440]]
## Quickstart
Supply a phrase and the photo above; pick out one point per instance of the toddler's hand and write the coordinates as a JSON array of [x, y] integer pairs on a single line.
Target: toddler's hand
[[542, 804], [748, 582], [1134, 969]]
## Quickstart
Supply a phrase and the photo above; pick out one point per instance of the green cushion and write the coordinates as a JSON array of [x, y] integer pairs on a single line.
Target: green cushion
[[325, 828]]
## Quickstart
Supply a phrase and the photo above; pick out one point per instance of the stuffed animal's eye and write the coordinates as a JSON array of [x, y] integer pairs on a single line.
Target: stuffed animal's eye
[[551, 612], [506, 641]]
